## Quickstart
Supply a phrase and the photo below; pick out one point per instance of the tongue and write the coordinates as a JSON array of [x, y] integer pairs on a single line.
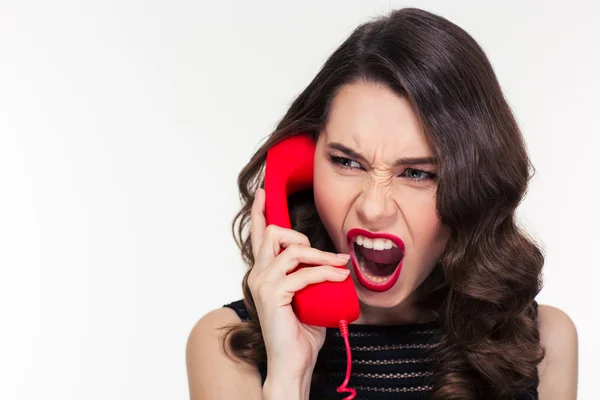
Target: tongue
[[388, 256], [379, 269]]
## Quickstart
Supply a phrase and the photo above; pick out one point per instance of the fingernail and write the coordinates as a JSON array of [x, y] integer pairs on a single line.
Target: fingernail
[[344, 256], [343, 271]]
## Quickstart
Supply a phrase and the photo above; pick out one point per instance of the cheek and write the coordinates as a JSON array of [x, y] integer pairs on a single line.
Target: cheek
[[429, 235]]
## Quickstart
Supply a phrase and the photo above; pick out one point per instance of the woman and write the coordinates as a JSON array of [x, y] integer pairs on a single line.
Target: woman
[[414, 139]]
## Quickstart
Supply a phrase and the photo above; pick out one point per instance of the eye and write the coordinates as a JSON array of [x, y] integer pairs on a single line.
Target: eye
[[344, 162], [418, 175]]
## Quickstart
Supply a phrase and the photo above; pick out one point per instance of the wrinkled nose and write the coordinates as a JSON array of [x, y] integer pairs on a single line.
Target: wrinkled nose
[[376, 208]]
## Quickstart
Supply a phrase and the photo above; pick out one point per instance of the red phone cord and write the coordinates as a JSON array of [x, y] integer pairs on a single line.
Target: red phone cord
[[343, 389]]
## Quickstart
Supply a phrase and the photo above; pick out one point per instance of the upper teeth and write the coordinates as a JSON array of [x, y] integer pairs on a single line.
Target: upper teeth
[[375, 244]]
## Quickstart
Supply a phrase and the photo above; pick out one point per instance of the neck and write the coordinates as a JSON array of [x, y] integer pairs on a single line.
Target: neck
[[406, 312]]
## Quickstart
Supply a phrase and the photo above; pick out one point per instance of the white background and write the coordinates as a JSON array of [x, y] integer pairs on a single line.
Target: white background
[[124, 124]]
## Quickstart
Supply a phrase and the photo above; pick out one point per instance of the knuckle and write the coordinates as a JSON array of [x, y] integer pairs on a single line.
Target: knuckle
[[294, 251], [305, 240], [271, 231]]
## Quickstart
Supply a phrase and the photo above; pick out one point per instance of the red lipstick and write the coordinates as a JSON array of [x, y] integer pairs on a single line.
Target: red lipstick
[[367, 283]]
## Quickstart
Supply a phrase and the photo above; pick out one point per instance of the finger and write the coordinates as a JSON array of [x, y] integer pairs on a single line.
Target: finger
[[274, 240], [309, 275], [257, 220], [295, 255]]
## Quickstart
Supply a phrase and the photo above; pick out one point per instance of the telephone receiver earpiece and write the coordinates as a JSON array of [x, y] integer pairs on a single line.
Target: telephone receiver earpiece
[[290, 168]]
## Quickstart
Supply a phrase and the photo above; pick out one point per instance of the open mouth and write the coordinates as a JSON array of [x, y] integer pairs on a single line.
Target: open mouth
[[377, 258]]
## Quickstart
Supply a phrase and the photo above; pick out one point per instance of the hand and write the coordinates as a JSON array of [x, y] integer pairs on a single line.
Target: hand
[[292, 347]]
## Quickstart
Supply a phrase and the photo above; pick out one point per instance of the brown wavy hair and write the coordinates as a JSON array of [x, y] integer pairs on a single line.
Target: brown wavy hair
[[483, 289]]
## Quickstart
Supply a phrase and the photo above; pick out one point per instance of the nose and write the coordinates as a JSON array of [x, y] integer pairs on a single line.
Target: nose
[[376, 208]]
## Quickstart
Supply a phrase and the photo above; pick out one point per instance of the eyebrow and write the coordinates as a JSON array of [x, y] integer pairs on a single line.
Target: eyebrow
[[401, 161]]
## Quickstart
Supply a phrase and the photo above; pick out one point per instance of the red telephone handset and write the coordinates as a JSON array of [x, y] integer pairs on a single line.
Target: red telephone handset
[[289, 168]]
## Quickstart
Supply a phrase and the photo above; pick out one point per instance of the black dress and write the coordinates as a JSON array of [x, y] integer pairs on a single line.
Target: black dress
[[388, 361]]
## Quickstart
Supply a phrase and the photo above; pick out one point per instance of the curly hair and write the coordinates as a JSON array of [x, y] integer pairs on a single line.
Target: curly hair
[[484, 287]]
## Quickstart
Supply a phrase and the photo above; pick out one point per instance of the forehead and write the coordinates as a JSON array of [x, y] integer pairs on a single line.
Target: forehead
[[370, 117]]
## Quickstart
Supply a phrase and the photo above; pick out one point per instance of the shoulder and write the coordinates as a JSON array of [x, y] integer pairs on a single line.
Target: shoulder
[[205, 341], [211, 324], [210, 370], [559, 369]]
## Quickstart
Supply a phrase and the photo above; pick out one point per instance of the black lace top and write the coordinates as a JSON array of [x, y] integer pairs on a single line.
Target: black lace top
[[388, 362]]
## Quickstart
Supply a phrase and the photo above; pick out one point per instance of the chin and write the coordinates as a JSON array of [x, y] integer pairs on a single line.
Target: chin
[[388, 299]]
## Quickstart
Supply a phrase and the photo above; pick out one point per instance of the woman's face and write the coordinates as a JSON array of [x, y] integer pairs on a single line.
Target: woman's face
[[375, 172]]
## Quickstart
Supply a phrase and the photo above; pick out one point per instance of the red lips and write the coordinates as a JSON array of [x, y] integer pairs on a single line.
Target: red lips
[[363, 280]]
